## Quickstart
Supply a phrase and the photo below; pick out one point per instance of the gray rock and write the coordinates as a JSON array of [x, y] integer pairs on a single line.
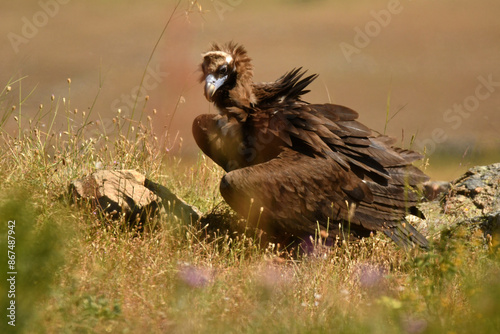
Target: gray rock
[[171, 203], [477, 192], [474, 199], [489, 223], [129, 194]]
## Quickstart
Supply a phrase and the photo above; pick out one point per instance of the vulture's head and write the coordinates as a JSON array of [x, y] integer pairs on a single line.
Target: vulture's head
[[227, 74]]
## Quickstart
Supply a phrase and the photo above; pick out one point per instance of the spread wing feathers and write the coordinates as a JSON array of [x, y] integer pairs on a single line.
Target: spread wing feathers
[[298, 193], [330, 130], [289, 86]]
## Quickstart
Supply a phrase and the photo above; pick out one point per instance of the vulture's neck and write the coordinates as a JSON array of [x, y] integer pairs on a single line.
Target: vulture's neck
[[241, 95]]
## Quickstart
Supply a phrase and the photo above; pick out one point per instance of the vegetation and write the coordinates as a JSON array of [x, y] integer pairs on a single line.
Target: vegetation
[[80, 272]]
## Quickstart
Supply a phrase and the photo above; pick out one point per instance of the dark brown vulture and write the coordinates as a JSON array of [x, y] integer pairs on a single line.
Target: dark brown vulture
[[297, 169]]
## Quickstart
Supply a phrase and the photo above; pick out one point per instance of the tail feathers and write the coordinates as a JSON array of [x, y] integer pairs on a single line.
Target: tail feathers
[[406, 236]]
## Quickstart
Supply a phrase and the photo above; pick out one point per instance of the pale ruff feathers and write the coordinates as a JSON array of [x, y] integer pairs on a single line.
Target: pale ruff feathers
[[222, 54]]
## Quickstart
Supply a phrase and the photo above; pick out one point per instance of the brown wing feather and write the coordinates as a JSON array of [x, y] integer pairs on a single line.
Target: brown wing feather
[[297, 192]]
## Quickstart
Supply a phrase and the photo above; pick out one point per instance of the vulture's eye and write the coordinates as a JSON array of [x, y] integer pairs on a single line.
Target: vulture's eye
[[223, 70]]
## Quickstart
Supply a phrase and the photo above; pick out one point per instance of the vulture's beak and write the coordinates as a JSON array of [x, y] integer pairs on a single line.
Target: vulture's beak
[[212, 84]]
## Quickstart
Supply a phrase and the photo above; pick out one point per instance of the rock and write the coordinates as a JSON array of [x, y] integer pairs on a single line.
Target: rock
[[477, 192], [489, 223], [128, 193], [474, 199], [174, 204]]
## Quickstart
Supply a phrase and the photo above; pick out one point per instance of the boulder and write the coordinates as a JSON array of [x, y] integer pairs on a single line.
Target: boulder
[[129, 194], [474, 199]]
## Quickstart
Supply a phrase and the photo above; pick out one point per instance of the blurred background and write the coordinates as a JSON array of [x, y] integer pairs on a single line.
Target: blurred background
[[434, 64]]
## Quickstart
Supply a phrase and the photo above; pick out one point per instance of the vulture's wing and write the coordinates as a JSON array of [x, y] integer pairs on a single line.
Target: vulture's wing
[[299, 193], [329, 130]]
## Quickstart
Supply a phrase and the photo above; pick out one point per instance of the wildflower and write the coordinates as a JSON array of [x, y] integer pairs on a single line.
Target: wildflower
[[194, 277], [369, 275], [317, 298], [413, 325]]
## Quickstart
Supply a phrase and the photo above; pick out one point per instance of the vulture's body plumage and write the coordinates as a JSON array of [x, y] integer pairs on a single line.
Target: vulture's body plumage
[[294, 167]]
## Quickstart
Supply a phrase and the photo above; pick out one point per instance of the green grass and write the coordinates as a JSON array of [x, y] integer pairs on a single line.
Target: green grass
[[79, 272]]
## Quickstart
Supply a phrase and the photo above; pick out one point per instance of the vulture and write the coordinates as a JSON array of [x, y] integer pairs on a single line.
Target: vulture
[[298, 170]]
